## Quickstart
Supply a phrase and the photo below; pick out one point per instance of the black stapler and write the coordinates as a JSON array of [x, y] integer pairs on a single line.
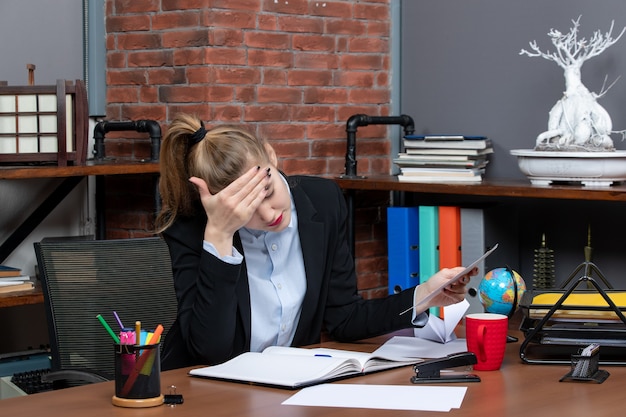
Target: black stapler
[[429, 371]]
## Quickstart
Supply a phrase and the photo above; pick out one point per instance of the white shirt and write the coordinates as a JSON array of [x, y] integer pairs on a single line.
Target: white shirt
[[277, 281]]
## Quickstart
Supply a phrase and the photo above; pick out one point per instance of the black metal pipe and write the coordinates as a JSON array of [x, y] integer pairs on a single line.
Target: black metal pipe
[[364, 120], [150, 126], [351, 127]]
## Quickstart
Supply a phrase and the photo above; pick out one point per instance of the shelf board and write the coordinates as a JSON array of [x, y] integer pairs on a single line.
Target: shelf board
[[105, 167], [18, 298], [487, 188]]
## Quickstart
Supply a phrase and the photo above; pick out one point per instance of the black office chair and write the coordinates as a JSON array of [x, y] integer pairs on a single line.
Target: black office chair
[[83, 278]]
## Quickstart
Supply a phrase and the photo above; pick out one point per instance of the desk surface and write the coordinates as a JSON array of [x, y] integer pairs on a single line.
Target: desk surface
[[516, 390], [105, 167]]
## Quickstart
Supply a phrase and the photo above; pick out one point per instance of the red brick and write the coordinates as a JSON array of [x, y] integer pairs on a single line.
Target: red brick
[[122, 95], [286, 150], [136, 6], [297, 7], [230, 19], [357, 78], [330, 131], [264, 40], [309, 77], [297, 24], [328, 148], [225, 56], [182, 4], [237, 75], [227, 113], [313, 43], [244, 94], [166, 76], [274, 76], [368, 45], [316, 60], [150, 59], [189, 56], [282, 131], [325, 95], [269, 58], [148, 94], [150, 112], [346, 27], [142, 41], [371, 11], [116, 60], [185, 39], [278, 95], [266, 113], [331, 8], [251, 5], [126, 77], [304, 167], [361, 62], [175, 20], [374, 96], [128, 23], [226, 37], [312, 113]]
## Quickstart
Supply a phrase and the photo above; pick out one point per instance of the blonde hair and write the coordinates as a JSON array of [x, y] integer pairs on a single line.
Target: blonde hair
[[218, 157]]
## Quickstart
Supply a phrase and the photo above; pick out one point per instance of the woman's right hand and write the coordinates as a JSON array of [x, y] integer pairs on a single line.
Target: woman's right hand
[[231, 208]]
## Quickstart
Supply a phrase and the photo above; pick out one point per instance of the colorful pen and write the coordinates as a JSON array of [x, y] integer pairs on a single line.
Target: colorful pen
[[118, 320], [137, 332], [107, 328]]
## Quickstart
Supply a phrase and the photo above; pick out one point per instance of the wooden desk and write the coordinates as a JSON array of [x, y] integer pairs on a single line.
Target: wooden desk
[[515, 390]]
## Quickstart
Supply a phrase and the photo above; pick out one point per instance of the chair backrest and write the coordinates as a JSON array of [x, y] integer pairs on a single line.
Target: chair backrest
[[84, 278]]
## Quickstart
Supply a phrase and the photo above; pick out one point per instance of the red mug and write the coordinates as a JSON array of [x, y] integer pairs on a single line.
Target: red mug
[[486, 334]]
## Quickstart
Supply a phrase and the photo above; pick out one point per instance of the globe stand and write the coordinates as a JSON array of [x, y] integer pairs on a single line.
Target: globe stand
[[509, 338]]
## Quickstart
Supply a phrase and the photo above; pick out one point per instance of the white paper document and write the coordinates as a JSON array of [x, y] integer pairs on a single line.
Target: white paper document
[[389, 397], [406, 347], [442, 330]]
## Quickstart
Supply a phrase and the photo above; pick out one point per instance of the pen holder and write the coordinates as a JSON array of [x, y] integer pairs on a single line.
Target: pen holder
[[137, 376], [585, 368]]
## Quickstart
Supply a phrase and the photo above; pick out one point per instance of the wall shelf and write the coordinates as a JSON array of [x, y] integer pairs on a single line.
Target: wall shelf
[[488, 188]]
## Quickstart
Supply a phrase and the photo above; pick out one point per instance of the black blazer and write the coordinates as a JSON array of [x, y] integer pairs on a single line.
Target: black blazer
[[213, 323]]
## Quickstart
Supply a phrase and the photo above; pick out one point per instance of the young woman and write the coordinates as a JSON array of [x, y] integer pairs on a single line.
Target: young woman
[[260, 258]]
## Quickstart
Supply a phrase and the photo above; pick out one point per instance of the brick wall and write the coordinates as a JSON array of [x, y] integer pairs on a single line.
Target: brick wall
[[293, 70]]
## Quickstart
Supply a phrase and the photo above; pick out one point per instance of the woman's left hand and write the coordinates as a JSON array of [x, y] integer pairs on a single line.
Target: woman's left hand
[[451, 294]]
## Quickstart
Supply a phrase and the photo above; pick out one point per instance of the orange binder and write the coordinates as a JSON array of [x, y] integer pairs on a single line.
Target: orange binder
[[449, 239], [449, 236]]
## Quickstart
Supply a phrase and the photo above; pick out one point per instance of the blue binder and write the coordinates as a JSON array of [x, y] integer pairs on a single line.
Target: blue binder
[[402, 248]]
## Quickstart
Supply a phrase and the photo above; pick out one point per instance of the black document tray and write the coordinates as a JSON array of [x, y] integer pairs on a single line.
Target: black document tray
[[550, 339]]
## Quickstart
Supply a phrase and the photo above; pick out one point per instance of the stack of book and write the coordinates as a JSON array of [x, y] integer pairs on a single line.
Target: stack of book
[[12, 280], [443, 158]]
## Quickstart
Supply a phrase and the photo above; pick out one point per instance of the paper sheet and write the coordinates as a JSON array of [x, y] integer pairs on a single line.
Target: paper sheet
[[442, 330], [390, 397], [405, 347]]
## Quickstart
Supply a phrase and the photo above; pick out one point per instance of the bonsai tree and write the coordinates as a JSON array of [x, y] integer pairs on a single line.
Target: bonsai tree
[[576, 122]]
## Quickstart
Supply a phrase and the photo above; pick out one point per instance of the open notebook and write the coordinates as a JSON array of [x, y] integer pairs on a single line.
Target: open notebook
[[290, 367]]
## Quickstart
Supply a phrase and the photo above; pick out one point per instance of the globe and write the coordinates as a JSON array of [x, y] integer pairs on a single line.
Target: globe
[[496, 291]]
